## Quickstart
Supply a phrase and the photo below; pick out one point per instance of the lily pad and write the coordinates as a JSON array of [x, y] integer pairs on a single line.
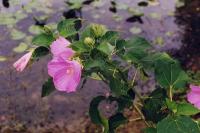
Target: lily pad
[[20, 48], [34, 29], [155, 15], [3, 58], [17, 35], [159, 40], [135, 30]]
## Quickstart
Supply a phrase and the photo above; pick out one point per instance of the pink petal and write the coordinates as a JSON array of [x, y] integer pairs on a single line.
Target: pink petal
[[59, 46], [21, 63], [195, 88], [65, 81], [54, 66], [193, 97], [197, 105]]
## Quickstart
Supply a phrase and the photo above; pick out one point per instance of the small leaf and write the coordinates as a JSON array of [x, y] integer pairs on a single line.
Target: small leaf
[[106, 48], [187, 109], [47, 88], [43, 40], [39, 52]]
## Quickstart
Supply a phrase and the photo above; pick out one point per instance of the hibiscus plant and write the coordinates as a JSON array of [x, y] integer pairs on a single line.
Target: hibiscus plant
[[99, 53]]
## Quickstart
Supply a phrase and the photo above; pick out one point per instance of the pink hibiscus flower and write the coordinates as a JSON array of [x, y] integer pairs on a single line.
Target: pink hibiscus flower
[[21, 63], [66, 74], [194, 96], [60, 48]]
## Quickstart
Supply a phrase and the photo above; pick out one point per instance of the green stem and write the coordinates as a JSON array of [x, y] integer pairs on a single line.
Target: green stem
[[141, 114], [170, 94]]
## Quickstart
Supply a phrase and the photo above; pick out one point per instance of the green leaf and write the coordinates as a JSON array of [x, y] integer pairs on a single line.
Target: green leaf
[[47, 88], [106, 48], [150, 130], [95, 115], [117, 87], [136, 49], [43, 40], [39, 52], [80, 47], [179, 124], [87, 32], [115, 121], [172, 105], [153, 105], [169, 74], [90, 64], [187, 109], [66, 27], [110, 36]]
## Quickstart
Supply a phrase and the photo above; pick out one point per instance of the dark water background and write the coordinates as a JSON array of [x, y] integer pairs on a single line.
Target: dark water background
[[170, 25]]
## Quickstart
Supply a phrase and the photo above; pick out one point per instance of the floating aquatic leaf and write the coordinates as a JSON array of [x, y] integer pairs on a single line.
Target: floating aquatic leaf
[[19, 15], [2, 58], [135, 30], [7, 19], [180, 3], [135, 12], [34, 29], [159, 40], [117, 17], [153, 2], [155, 15], [52, 26], [20, 48], [169, 33], [17, 35]]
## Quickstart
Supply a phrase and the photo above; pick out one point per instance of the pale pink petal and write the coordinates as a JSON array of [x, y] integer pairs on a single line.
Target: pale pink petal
[[195, 88], [54, 66], [197, 105], [59, 46], [67, 79], [66, 54], [21, 63], [193, 97]]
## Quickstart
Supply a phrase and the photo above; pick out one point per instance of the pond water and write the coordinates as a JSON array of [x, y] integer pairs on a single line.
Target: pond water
[[170, 25]]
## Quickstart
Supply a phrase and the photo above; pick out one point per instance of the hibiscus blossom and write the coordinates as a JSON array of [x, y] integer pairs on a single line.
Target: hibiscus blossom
[[21, 63], [66, 73], [60, 48], [194, 96]]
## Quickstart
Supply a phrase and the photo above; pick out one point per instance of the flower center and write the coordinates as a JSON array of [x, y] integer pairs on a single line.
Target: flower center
[[69, 71]]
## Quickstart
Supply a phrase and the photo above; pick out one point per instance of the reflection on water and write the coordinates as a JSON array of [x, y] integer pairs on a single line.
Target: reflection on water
[[20, 92]]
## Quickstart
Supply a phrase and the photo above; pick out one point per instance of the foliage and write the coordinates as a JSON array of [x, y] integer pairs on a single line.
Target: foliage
[[95, 47]]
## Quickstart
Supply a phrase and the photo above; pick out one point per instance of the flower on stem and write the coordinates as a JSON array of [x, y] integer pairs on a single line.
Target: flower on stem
[[194, 96], [66, 73], [21, 63]]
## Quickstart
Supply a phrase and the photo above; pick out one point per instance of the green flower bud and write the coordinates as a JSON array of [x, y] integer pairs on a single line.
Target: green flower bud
[[98, 30], [89, 41]]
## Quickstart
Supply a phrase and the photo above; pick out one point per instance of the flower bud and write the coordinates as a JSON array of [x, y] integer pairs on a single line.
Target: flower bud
[[89, 41], [98, 30]]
